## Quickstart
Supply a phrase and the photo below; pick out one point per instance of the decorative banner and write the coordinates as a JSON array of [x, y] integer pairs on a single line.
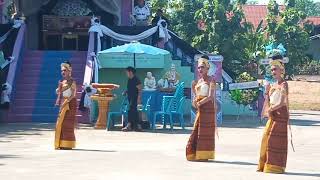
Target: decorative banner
[[244, 85], [149, 61], [215, 70], [115, 60], [123, 60], [267, 61]]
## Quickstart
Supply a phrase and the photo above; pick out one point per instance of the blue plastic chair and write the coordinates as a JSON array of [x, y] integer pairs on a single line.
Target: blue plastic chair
[[123, 112], [180, 112], [169, 104], [147, 108], [164, 113]]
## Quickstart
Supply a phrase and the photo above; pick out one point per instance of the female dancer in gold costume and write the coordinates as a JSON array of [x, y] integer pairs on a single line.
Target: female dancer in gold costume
[[274, 146], [66, 91]]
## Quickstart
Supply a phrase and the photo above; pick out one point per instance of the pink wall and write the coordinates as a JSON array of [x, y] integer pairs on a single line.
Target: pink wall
[[125, 12]]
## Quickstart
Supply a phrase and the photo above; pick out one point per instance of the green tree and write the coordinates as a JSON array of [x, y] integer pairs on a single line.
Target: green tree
[[225, 32], [159, 4], [286, 27], [183, 18], [309, 7]]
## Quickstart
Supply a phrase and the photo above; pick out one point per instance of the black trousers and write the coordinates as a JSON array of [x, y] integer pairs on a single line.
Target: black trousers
[[133, 114]]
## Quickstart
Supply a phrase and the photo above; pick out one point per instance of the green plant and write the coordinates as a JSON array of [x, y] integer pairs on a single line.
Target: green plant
[[244, 96], [248, 95], [287, 27]]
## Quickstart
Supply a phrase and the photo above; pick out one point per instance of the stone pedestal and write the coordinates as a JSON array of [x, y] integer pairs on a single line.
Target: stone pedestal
[[103, 104], [103, 97]]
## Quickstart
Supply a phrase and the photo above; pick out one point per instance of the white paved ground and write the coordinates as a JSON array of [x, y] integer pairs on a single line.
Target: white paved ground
[[26, 153]]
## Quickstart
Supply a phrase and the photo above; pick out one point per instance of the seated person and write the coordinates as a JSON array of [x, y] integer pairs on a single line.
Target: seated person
[[150, 82], [171, 78], [141, 14]]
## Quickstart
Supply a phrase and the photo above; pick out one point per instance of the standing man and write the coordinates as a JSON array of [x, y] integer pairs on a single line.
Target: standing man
[[141, 13], [133, 93]]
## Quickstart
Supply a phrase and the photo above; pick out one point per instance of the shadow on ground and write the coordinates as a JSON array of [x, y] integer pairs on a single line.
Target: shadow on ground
[[241, 163], [15, 131], [302, 174], [94, 150], [300, 122], [7, 156]]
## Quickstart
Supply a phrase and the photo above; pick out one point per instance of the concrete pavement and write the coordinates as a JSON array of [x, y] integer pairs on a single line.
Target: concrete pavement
[[27, 153]]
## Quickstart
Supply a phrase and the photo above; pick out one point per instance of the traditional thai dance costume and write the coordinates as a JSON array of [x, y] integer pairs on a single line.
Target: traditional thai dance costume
[[274, 146], [201, 144], [64, 134]]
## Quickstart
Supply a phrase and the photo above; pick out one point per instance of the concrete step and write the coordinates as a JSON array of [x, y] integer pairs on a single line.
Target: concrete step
[[34, 87], [35, 110], [42, 68], [46, 102], [52, 70], [56, 72], [31, 63], [49, 80]]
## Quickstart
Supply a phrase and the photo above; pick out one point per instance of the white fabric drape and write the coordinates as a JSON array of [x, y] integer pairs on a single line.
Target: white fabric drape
[[103, 30], [5, 95], [163, 30]]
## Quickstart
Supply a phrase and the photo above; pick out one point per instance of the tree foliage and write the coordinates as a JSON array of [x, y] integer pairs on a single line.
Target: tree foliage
[[286, 27], [309, 7], [244, 96], [183, 19], [227, 32]]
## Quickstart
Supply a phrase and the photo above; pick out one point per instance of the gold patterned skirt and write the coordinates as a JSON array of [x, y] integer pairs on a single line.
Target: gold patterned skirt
[[64, 134], [274, 146], [201, 144]]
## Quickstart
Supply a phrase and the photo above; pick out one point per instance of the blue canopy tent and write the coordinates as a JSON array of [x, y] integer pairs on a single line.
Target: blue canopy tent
[[129, 54]]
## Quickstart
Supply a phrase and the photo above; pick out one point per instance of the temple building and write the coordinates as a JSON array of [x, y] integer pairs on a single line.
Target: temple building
[[63, 25]]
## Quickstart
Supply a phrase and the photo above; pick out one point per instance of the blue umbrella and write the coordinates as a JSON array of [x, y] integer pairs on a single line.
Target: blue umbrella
[[136, 48]]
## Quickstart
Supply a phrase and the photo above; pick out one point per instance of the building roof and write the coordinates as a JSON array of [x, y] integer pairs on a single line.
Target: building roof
[[314, 19], [255, 13]]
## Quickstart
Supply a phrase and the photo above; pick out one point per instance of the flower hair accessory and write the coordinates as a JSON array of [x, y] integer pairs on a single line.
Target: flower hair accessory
[[273, 50]]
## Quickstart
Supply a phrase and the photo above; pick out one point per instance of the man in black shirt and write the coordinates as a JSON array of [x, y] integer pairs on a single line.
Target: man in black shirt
[[134, 97]]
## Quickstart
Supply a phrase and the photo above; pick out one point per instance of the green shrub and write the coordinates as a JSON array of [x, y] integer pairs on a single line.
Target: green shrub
[[244, 96], [308, 68]]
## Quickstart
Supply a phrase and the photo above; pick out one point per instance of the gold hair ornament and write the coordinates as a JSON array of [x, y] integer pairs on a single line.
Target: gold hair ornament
[[204, 62], [278, 63], [67, 66]]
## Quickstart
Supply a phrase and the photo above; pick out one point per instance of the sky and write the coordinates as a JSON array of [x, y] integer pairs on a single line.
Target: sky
[[279, 1]]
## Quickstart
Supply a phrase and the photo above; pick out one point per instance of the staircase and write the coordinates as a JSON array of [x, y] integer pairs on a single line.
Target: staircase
[[35, 87]]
